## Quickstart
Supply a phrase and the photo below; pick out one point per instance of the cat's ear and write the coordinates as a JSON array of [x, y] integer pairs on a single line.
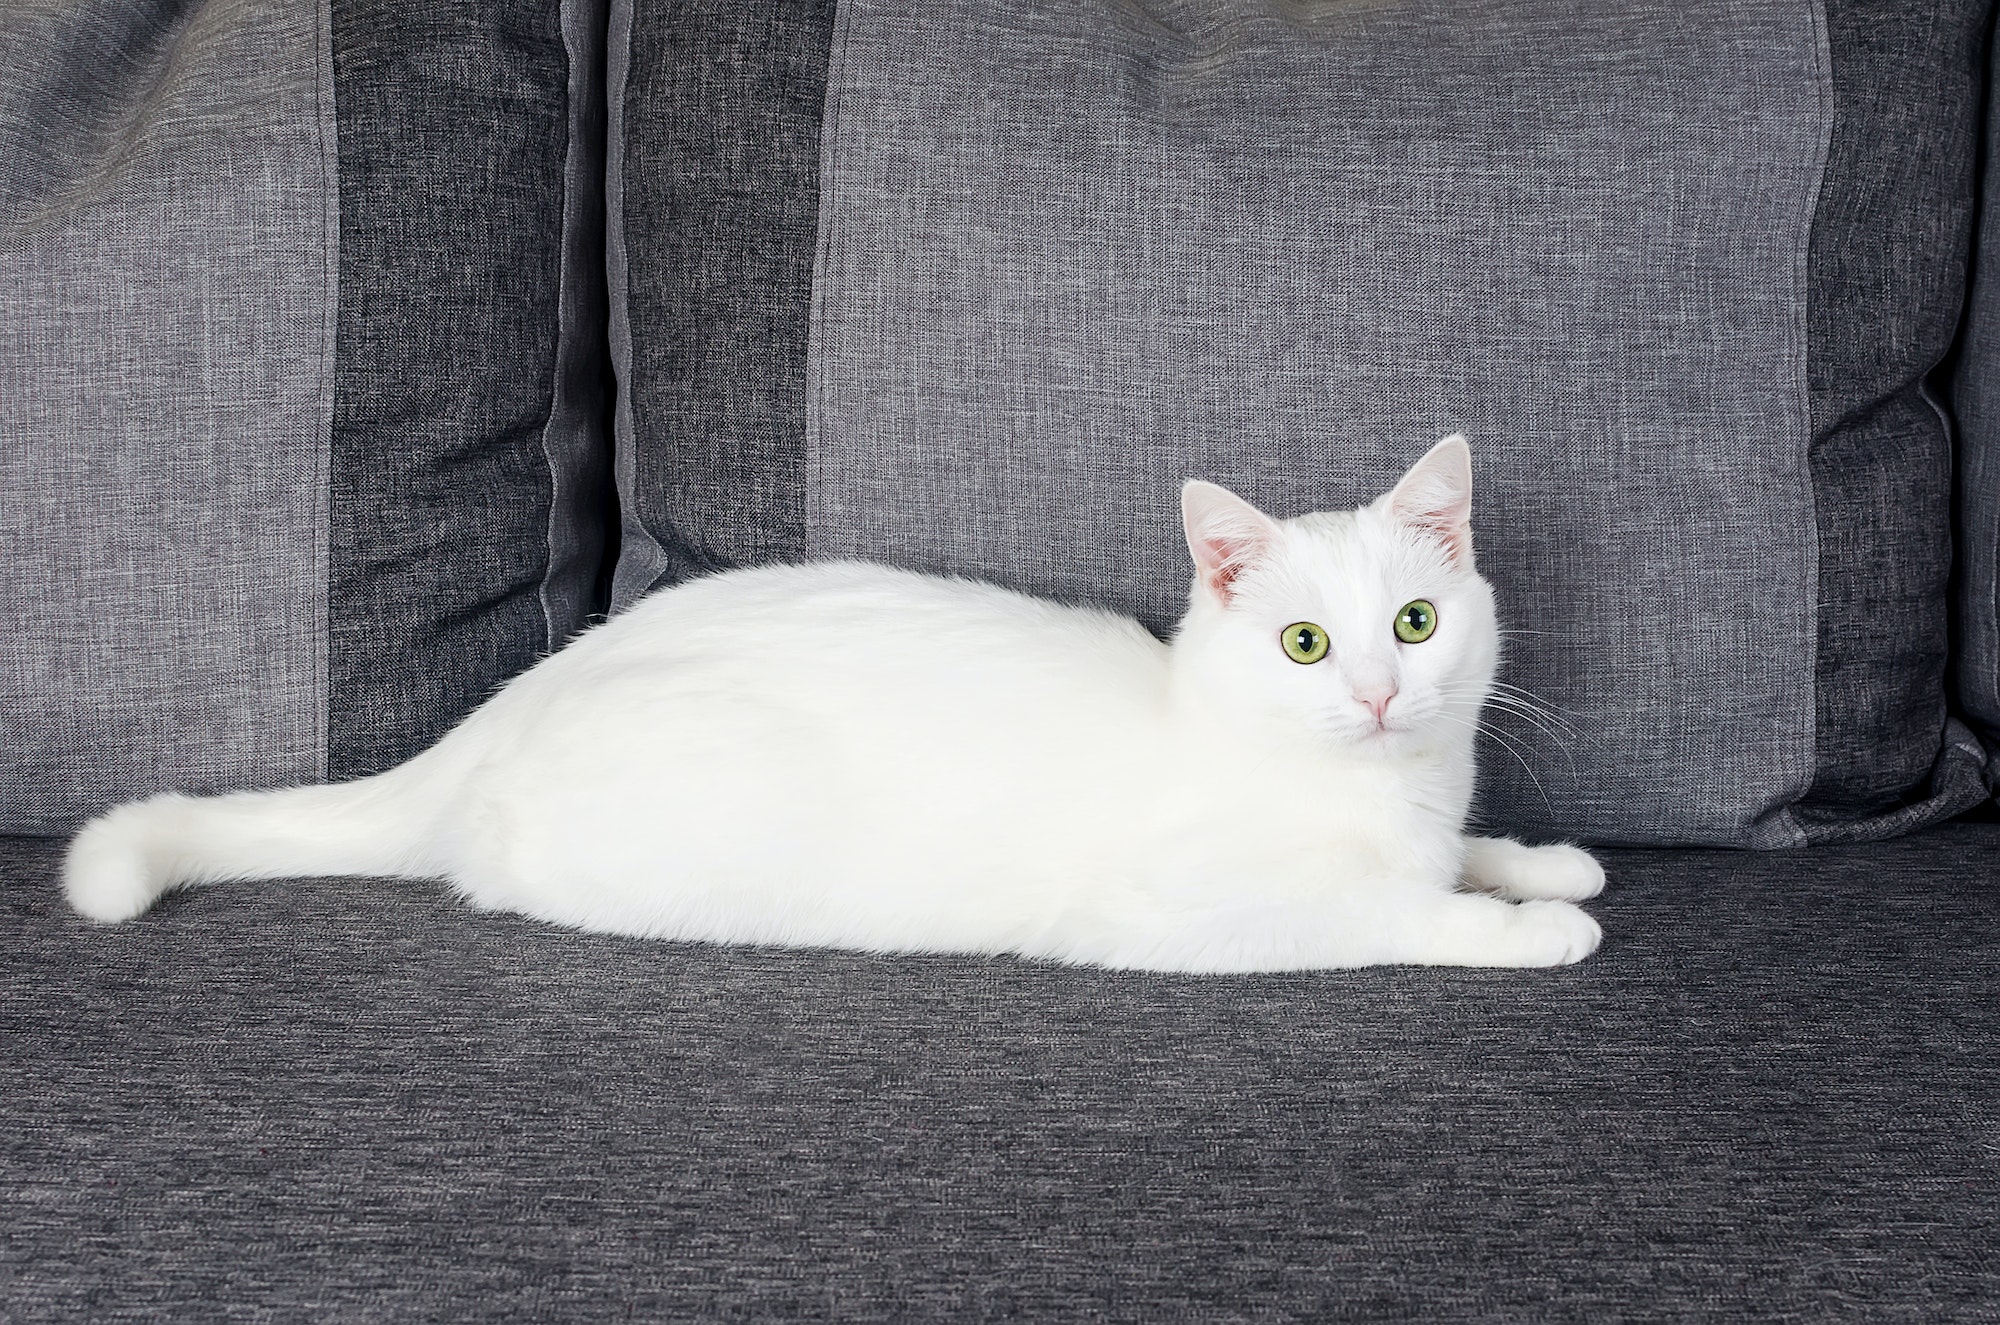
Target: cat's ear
[[1225, 534], [1435, 497]]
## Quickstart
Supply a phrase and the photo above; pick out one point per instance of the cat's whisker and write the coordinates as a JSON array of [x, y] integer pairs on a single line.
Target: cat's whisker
[[1521, 702], [1556, 737], [1552, 726], [1556, 742], [1522, 760], [1548, 724], [1532, 700], [1481, 726], [1507, 745], [1518, 692], [1526, 703]]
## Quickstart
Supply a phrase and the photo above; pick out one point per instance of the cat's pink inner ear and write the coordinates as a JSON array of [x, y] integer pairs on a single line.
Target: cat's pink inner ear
[[1225, 534], [1435, 497]]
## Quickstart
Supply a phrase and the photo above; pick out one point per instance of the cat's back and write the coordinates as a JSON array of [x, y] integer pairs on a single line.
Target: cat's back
[[850, 618]]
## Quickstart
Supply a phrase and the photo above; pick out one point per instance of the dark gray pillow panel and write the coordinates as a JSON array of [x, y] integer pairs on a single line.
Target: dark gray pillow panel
[[714, 179], [1888, 276], [304, 442], [168, 248], [1976, 402], [467, 438], [1069, 256]]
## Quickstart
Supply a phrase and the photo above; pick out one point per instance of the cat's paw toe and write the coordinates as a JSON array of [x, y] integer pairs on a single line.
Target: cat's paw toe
[[1557, 933], [1568, 873], [1528, 874]]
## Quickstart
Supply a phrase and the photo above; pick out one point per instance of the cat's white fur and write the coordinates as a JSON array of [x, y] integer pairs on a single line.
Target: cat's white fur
[[852, 756]]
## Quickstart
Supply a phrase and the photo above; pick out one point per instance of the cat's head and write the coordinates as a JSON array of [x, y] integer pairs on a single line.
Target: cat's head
[[1369, 628]]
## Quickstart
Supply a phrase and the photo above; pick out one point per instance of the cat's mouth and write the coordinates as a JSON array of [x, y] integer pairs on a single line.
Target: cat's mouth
[[1384, 731], [1356, 735], [1371, 733]]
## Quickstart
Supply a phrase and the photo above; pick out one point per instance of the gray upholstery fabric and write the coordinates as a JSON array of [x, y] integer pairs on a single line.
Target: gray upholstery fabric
[[1683, 272], [713, 179], [576, 438], [304, 434], [1066, 263], [1774, 1095], [168, 254], [1976, 402], [470, 470], [1887, 278]]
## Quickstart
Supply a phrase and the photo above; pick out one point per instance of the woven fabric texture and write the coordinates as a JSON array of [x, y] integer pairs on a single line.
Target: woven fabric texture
[[470, 444], [1066, 265], [1681, 272], [304, 395], [1976, 403], [1773, 1096], [167, 253], [1886, 290], [714, 171]]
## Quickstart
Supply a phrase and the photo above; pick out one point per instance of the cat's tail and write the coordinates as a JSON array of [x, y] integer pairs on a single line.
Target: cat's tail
[[121, 863]]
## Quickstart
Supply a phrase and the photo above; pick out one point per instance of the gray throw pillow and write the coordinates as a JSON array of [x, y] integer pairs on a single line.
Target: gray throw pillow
[[972, 286], [1976, 398], [303, 423]]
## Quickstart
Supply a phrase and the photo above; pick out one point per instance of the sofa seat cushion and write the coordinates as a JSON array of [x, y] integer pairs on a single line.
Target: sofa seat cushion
[[1772, 1095]]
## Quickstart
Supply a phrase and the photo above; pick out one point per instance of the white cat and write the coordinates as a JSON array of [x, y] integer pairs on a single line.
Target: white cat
[[851, 756]]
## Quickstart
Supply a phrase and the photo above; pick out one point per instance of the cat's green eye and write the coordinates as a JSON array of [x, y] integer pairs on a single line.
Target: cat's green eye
[[1416, 622], [1304, 642]]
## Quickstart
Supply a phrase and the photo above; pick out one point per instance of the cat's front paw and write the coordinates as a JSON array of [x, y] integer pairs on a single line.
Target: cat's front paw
[[1567, 873], [1525, 873], [1556, 933]]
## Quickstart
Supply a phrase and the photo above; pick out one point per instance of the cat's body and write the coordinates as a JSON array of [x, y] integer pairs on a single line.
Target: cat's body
[[847, 755]]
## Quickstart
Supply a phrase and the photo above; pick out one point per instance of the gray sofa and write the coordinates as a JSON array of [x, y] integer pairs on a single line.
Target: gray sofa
[[355, 353], [1771, 1096]]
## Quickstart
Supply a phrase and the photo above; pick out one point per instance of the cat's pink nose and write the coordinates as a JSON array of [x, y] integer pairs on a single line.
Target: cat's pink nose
[[1375, 698]]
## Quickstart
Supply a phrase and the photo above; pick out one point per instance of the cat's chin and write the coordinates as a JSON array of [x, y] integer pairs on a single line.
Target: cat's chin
[[1396, 741], [1371, 740]]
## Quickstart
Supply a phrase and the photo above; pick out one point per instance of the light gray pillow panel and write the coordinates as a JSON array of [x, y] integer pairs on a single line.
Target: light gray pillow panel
[[168, 252], [1290, 257]]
